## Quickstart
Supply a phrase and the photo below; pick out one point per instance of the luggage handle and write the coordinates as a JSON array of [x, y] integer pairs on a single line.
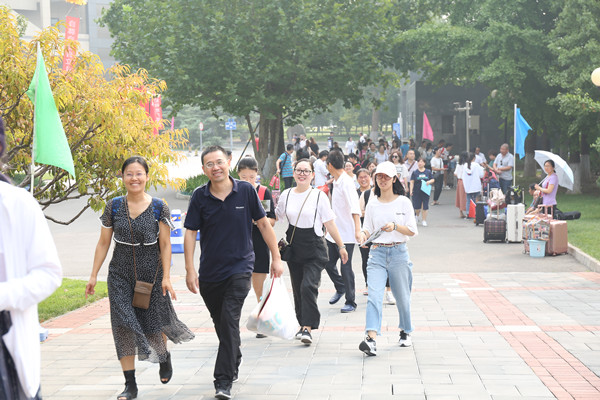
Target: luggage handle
[[545, 210]]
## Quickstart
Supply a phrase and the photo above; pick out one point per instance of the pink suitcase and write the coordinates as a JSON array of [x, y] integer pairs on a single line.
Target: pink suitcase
[[558, 242]]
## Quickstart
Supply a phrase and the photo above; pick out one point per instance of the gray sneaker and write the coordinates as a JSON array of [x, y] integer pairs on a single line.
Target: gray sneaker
[[368, 346], [405, 340]]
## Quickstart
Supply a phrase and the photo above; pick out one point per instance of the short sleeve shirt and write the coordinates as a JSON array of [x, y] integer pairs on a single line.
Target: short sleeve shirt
[[505, 161], [419, 176], [286, 165], [549, 199], [344, 203], [225, 230]]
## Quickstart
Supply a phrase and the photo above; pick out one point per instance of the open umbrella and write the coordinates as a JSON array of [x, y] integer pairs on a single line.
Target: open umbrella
[[563, 171]]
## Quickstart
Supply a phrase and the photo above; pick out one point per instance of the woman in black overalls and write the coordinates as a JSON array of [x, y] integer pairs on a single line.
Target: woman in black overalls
[[307, 210]]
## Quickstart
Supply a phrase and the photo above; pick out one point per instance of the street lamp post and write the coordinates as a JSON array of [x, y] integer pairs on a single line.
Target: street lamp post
[[596, 77], [468, 107]]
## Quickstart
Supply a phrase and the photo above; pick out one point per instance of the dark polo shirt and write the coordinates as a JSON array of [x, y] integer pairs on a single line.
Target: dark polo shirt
[[225, 230]]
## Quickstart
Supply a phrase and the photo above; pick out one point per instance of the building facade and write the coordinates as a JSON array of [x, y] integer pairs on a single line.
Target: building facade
[[41, 14]]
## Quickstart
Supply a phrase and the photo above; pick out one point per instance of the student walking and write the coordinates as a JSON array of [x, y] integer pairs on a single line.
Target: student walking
[[306, 211], [344, 202], [420, 199], [391, 214], [247, 171], [223, 211], [437, 167], [142, 234], [284, 165]]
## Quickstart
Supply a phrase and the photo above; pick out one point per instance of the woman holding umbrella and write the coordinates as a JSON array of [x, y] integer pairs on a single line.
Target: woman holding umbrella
[[549, 186]]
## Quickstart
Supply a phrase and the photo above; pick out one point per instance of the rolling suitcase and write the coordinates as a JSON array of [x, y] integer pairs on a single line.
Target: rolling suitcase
[[558, 242], [480, 212], [494, 228], [514, 222]]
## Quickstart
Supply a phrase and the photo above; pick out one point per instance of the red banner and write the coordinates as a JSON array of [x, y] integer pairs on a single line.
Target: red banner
[[71, 32], [156, 111]]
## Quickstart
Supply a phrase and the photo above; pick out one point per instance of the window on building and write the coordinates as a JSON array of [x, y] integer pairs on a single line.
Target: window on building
[[448, 125]]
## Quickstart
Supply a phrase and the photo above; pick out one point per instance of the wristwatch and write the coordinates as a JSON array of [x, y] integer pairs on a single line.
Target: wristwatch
[[341, 247]]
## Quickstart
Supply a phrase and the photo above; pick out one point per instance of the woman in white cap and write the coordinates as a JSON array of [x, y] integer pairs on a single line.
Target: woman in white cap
[[389, 222]]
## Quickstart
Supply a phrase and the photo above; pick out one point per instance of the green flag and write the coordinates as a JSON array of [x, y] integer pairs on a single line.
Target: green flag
[[50, 145]]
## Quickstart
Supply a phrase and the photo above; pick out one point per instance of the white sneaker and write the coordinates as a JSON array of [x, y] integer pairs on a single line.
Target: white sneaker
[[389, 298], [424, 223], [405, 340]]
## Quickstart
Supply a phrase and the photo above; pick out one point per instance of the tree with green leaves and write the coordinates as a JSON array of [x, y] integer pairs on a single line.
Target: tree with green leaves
[[502, 45], [576, 46], [279, 59]]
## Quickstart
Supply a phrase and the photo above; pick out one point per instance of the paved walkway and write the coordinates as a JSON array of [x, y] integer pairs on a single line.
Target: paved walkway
[[490, 323]]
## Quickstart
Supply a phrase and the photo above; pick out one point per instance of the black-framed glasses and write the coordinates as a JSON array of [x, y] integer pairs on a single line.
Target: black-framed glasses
[[395, 157], [303, 171]]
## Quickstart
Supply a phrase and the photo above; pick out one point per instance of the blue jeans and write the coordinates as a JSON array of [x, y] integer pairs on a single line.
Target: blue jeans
[[471, 196], [505, 185], [393, 263]]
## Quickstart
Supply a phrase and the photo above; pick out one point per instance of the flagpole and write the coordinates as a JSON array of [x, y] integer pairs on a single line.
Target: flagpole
[[515, 147], [34, 125]]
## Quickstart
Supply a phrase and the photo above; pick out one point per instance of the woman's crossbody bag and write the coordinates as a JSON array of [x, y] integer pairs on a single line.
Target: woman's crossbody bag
[[142, 290]]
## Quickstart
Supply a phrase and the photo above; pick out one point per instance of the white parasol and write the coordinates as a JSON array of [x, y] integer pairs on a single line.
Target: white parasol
[[563, 171]]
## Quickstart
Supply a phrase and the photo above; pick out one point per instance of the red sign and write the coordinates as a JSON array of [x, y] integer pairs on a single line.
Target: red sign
[[72, 33]]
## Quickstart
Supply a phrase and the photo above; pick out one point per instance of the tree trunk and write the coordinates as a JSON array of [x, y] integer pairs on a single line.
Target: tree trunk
[[584, 147], [575, 164], [375, 125], [270, 143], [530, 165]]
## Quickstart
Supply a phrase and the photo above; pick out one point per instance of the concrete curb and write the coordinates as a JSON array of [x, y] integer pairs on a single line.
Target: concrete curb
[[588, 261], [181, 196]]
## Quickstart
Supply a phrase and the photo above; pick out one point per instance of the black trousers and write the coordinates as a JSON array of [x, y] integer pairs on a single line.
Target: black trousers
[[289, 182], [437, 186], [309, 256], [343, 283], [224, 301]]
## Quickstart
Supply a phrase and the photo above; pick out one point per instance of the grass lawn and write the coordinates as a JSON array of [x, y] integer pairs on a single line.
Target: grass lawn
[[583, 232], [68, 297]]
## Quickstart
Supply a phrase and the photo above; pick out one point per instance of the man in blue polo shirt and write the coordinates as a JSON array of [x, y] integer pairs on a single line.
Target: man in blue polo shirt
[[223, 211]]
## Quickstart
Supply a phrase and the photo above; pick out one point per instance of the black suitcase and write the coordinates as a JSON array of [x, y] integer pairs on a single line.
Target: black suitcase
[[480, 212], [494, 229]]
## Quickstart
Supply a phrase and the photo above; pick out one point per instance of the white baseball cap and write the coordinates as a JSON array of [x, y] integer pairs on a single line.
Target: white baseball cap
[[387, 167]]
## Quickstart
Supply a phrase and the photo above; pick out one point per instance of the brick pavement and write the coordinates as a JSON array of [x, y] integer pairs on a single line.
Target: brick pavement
[[478, 336], [490, 323]]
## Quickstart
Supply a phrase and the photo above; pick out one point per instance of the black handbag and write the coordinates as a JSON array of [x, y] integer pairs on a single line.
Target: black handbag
[[285, 248]]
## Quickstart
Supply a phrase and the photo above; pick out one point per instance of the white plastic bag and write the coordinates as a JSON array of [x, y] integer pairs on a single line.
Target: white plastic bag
[[274, 315]]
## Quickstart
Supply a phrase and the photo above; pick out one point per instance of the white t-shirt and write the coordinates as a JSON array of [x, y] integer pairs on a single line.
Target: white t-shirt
[[320, 172], [307, 218], [400, 211], [402, 172], [350, 146], [472, 177], [362, 139], [436, 163], [458, 171], [379, 158], [505, 161], [480, 158], [344, 202]]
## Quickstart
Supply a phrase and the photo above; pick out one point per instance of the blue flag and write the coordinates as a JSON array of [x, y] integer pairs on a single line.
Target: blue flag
[[521, 130]]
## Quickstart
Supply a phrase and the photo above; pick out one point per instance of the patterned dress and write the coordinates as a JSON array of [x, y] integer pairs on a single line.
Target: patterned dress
[[138, 331]]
